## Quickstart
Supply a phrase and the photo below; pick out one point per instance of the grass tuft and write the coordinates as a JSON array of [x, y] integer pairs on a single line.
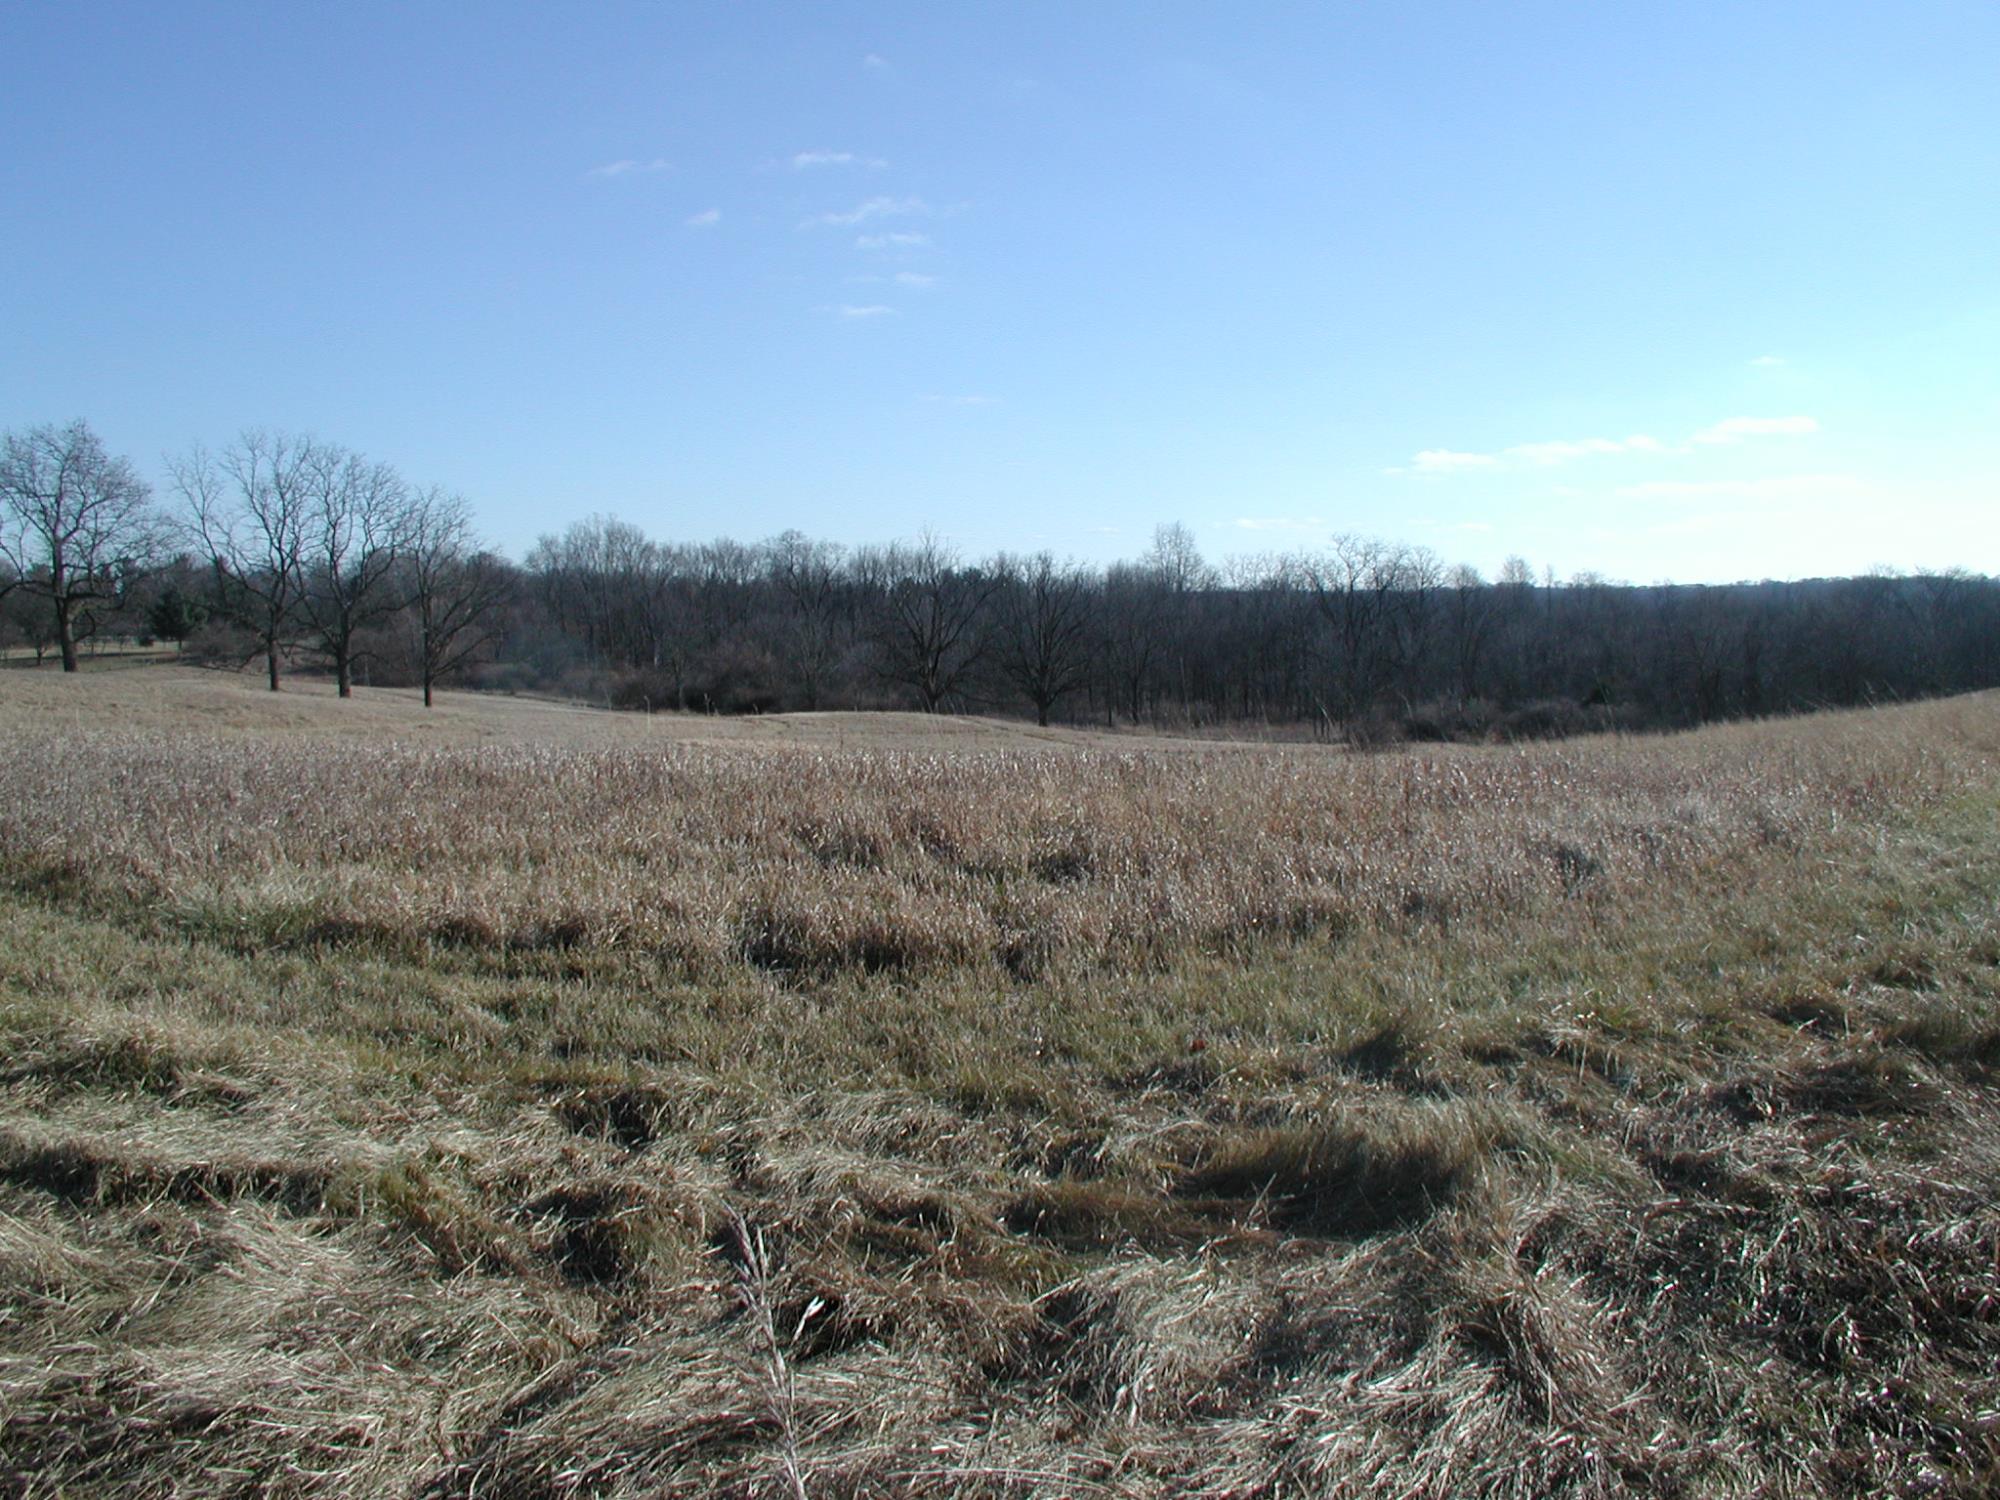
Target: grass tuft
[[1351, 1177]]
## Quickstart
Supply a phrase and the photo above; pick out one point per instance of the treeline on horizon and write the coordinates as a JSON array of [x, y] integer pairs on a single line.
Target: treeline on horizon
[[300, 552]]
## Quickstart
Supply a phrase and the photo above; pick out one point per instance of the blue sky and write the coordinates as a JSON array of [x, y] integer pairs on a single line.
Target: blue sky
[[1690, 291]]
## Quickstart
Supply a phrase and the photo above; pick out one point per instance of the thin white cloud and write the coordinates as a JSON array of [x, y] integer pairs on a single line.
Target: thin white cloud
[[708, 218], [1736, 429], [917, 281], [1446, 461], [873, 208], [631, 168], [1776, 487], [1767, 361], [901, 240], [1564, 451], [1568, 450], [804, 161], [1281, 523], [876, 61], [851, 311]]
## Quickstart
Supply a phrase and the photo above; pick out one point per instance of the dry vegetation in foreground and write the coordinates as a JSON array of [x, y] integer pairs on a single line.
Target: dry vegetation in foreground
[[452, 1117]]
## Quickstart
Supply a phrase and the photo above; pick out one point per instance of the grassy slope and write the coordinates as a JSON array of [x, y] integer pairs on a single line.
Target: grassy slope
[[155, 696], [1661, 1158]]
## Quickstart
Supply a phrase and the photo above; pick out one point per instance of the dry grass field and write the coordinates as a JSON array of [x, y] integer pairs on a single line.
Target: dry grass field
[[522, 1101], [152, 694]]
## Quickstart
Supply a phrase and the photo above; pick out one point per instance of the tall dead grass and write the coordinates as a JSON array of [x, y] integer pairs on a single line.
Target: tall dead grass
[[808, 861], [1616, 1118]]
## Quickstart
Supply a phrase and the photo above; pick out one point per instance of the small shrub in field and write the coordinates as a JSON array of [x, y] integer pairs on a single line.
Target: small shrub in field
[[648, 692]]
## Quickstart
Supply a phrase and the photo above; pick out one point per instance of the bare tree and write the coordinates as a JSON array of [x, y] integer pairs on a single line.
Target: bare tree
[[1352, 582], [455, 586], [1184, 580], [1472, 613], [606, 583], [1134, 619], [724, 573], [1044, 631], [249, 512], [76, 526], [356, 515], [928, 622], [24, 619], [1177, 561], [1419, 577], [1272, 636], [808, 577], [1934, 601]]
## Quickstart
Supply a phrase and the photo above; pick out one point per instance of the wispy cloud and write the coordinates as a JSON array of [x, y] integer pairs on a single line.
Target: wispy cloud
[[875, 61], [915, 279], [708, 218], [1281, 523], [853, 312], [1736, 429], [1447, 461], [1767, 361], [1569, 450], [1775, 487], [805, 161], [873, 208], [901, 240], [631, 168], [1562, 452]]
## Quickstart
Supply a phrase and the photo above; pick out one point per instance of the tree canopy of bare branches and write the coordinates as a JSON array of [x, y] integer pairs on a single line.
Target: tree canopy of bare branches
[[249, 511], [810, 578], [454, 585], [1046, 612], [316, 552], [77, 526], [357, 513], [927, 626]]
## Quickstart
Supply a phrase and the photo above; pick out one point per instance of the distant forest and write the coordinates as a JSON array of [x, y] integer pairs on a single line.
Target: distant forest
[[303, 554]]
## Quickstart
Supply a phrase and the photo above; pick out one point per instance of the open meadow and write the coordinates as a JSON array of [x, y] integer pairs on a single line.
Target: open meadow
[[520, 1100]]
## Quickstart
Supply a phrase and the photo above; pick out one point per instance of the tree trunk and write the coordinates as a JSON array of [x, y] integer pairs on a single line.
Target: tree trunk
[[427, 690], [271, 662], [343, 674], [66, 634]]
